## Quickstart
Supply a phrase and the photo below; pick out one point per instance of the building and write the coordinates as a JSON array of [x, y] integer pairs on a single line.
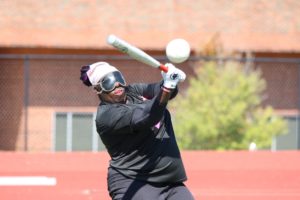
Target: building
[[44, 43]]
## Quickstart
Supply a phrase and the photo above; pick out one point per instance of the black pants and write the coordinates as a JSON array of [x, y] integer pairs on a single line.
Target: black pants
[[123, 188]]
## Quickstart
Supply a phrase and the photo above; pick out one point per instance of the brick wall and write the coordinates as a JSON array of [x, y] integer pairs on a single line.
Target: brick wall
[[54, 86]]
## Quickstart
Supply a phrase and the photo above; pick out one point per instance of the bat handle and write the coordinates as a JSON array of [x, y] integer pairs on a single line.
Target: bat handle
[[163, 68]]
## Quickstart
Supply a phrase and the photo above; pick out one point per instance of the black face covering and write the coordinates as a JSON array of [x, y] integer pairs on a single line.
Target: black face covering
[[107, 84]]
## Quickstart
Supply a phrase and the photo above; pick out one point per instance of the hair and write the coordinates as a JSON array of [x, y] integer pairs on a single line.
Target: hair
[[84, 77]]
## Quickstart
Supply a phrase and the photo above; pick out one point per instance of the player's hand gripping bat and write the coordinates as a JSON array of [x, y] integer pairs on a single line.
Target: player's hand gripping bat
[[135, 53]]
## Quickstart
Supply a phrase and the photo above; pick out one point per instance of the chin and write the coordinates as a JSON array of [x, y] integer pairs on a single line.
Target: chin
[[120, 99]]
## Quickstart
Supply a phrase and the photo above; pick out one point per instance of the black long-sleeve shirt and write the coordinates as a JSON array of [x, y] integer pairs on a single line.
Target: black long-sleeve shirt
[[139, 136]]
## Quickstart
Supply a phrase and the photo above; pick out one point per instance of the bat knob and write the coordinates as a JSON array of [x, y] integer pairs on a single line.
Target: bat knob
[[111, 39]]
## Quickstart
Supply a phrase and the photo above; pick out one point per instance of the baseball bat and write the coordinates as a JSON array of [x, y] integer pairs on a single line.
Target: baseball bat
[[135, 52]]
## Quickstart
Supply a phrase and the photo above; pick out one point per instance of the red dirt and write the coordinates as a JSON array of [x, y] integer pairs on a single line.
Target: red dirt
[[233, 175]]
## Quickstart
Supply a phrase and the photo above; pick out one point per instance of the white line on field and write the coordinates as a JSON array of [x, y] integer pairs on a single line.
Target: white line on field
[[27, 181]]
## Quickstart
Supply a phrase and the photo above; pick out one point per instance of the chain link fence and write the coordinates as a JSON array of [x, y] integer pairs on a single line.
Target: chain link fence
[[45, 107]]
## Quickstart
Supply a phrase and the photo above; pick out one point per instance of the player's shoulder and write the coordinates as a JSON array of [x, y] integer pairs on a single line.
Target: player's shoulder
[[142, 88], [109, 109], [136, 88]]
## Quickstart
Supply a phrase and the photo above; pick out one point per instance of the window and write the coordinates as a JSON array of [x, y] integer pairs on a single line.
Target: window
[[290, 141], [76, 132]]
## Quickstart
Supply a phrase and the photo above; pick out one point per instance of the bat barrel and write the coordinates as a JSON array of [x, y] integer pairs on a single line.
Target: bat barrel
[[134, 52]]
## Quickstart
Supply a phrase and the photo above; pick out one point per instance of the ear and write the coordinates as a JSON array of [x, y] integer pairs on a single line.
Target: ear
[[98, 89]]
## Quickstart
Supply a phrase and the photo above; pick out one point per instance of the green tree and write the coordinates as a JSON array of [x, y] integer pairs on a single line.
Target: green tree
[[222, 110]]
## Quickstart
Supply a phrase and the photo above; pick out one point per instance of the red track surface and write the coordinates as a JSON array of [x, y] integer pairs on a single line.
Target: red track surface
[[212, 175]]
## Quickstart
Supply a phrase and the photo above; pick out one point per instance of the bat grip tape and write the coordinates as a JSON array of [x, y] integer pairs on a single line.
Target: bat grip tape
[[163, 68]]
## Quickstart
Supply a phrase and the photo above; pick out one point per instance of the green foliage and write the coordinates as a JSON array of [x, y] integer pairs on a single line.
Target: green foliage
[[222, 110]]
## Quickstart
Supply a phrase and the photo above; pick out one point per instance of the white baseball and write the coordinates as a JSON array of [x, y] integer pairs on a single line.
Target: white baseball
[[178, 50]]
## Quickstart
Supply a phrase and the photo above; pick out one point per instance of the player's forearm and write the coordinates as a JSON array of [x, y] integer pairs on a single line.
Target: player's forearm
[[165, 96]]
